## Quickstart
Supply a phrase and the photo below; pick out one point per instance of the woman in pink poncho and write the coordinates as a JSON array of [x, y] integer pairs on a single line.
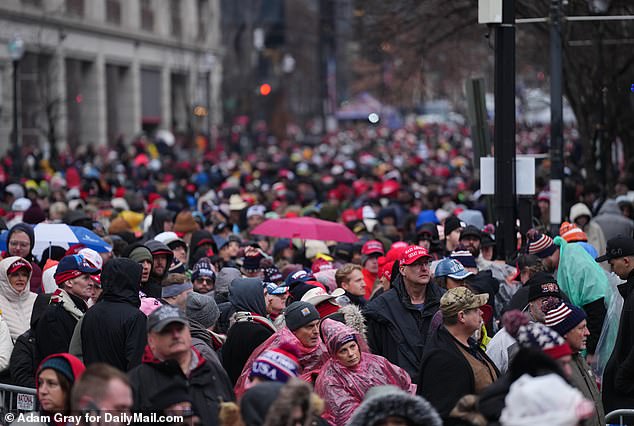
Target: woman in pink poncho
[[301, 335], [351, 371]]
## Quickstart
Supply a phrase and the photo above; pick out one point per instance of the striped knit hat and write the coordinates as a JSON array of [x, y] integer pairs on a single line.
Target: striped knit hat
[[572, 233], [276, 365], [535, 335], [540, 245], [464, 256], [564, 318]]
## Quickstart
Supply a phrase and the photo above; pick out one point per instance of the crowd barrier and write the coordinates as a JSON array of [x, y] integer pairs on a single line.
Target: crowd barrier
[[14, 400], [616, 417]]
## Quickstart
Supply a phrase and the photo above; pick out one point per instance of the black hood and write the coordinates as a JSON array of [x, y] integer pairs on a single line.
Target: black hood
[[28, 230], [247, 295], [157, 247], [121, 281], [199, 237], [159, 217]]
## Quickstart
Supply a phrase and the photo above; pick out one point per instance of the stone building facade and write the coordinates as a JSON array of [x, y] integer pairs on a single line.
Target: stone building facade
[[95, 71]]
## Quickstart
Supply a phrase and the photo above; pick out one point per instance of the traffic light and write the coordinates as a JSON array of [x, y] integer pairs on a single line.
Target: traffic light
[[265, 89]]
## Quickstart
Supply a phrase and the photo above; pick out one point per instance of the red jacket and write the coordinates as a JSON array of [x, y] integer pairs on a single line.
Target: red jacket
[[369, 279]]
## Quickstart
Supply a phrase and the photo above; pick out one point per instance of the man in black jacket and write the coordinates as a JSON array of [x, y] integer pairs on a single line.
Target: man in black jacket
[[162, 258], [114, 330], [54, 330], [618, 377], [251, 327], [169, 359], [453, 364], [398, 320], [141, 255]]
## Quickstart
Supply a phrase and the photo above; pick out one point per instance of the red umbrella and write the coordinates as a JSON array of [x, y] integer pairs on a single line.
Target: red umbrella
[[306, 228]]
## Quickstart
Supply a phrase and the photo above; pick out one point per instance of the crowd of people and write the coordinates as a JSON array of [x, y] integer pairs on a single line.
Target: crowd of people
[[192, 312]]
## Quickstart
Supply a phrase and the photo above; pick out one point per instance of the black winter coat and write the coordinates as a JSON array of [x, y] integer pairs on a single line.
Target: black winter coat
[[445, 374], [396, 329], [618, 377], [241, 341], [114, 330], [224, 320], [153, 377], [22, 364], [249, 331], [55, 328]]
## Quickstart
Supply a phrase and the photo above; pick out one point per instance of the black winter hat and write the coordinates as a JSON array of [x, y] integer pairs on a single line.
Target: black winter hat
[[451, 224], [542, 285]]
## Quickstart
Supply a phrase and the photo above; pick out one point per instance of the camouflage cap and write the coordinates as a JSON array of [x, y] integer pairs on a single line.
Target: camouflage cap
[[460, 299]]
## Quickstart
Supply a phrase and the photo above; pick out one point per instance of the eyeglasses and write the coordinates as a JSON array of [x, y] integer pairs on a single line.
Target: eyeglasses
[[19, 244], [420, 265], [205, 280]]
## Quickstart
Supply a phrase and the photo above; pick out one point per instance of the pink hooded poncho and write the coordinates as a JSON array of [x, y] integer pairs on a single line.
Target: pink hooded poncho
[[343, 388], [310, 359]]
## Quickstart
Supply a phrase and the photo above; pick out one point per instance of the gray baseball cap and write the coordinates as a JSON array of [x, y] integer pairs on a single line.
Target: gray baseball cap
[[164, 316]]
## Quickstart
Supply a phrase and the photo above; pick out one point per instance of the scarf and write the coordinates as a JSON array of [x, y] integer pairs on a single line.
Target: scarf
[[252, 317], [60, 296]]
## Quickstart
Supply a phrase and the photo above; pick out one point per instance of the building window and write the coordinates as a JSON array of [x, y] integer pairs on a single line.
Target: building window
[[175, 17], [203, 19], [75, 8], [113, 11], [147, 15], [32, 3]]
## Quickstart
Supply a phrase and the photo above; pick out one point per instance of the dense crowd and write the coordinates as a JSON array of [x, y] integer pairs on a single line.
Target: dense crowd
[[189, 310]]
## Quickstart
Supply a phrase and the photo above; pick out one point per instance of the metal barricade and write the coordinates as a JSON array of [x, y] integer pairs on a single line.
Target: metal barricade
[[617, 415], [15, 400]]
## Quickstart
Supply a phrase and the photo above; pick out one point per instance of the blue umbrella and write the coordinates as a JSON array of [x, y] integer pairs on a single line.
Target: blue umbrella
[[60, 234]]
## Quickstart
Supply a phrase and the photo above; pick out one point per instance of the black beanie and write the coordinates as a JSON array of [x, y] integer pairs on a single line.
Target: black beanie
[[452, 223]]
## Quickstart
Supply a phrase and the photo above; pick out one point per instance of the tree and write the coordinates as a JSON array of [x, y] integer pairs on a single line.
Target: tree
[[429, 36]]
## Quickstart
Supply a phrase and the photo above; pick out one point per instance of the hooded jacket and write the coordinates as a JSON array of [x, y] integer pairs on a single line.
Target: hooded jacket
[[199, 238], [159, 217], [36, 273], [155, 376], [343, 388], [114, 330], [16, 307], [593, 230], [157, 247], [385, 402], [151, 288], [257, 401], [397, 330], [76, 366], [202, 340], [223, 283], [23, 361], [612, 222], [251, 328]]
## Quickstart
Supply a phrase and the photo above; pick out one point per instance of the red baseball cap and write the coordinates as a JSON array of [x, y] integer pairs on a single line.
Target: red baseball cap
[[372, 247], [397, 249], [412, 254], [19, 264], [349, 216]]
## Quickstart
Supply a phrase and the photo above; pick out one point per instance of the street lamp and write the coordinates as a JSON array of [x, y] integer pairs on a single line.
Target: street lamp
[[16, 52]]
